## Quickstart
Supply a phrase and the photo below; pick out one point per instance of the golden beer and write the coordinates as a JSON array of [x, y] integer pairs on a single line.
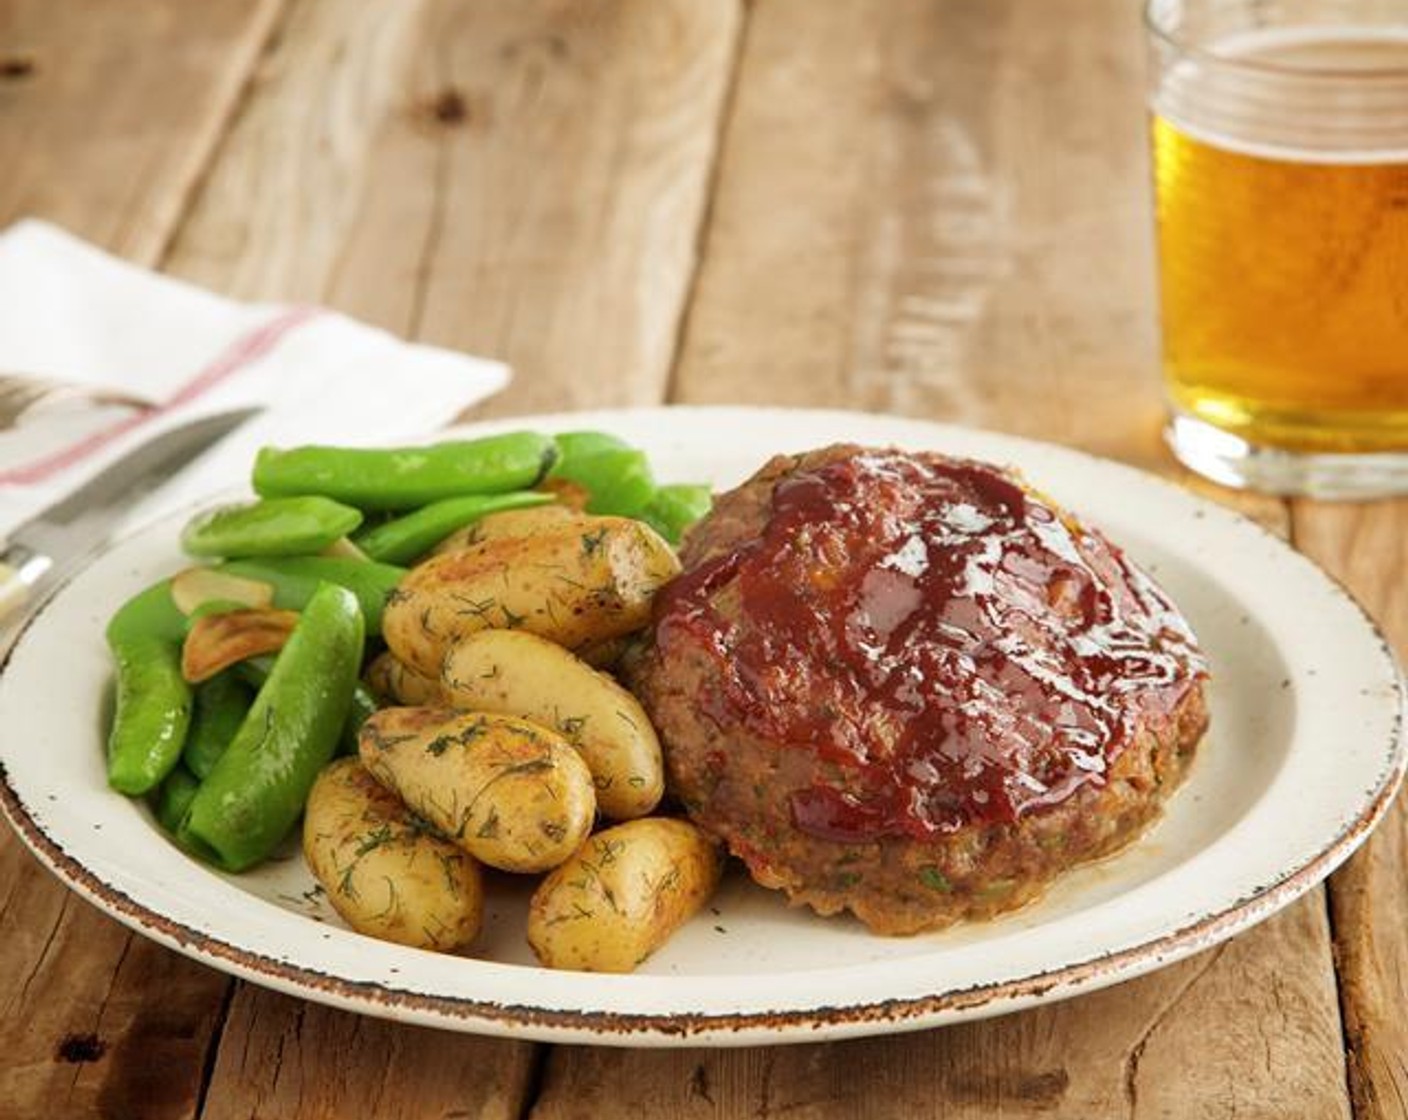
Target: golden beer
[[1283, 240]]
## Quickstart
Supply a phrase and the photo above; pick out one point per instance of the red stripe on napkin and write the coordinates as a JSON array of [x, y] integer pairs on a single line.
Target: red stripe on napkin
[[241, 353]]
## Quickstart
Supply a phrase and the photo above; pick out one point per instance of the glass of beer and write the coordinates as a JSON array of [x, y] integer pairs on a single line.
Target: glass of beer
[[1280, 142]]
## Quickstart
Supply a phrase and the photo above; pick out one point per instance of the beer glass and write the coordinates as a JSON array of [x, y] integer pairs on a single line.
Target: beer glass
[[1280, 144]]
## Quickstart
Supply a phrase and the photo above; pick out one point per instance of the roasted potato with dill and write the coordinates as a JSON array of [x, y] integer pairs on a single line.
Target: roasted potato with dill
[[519, 674], [383, 871], [510, 523], [622, 895], [393, 682], [575, 585], [514, 795]]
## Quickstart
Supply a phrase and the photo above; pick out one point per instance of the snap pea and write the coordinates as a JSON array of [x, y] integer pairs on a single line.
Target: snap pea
[[270, 527], [673, 509], [258, 788], [153, 709], [221, 704], [361, 709], [295, 578], [149, 614], [572, 446], [618, 480], [255, 672], [406, 477], [406, 538], [174, 798]]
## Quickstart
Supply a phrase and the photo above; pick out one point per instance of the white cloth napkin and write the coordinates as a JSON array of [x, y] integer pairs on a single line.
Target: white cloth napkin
[[73, 313]]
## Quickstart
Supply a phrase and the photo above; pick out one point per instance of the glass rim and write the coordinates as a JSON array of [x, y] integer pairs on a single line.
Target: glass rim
[[1184, 46]]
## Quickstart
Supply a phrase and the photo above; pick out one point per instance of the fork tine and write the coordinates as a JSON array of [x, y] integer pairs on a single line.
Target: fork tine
[[21, 392]]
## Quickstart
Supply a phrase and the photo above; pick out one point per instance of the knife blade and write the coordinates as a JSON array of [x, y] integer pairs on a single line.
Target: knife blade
[[51, 541]]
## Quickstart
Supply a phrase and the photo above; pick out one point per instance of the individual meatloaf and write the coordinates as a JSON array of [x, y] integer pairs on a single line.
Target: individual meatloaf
[[913, 687]]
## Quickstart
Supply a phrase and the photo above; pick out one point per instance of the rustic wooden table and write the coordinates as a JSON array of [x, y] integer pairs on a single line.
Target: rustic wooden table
[[934, 207]]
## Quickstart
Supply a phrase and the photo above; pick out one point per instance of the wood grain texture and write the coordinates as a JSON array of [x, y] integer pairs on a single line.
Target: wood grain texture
[[1137, 1050], [92, 138], [937, 209], [941, 210], [1363, 545], [109, 110], [80, 1033], [276, 204], [539, 196], [282, 1057]]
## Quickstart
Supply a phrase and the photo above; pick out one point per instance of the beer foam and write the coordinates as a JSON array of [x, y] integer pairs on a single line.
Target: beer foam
[[1330, 94]]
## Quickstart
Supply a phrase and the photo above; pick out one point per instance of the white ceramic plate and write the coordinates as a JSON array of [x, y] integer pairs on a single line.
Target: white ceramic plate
[[1302, 759]]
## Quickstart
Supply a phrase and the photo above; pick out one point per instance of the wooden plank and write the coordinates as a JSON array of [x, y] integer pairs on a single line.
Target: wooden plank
[[281, 1056], [1364, 545], [111, 149], [941, 212], [275, 207], [1135, 1050], [466, 172], [80, 1032], [109, 111], [540, 198], [940, 209]]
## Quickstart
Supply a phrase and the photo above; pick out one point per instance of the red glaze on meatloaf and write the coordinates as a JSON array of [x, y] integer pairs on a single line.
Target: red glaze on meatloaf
[[910, 686]]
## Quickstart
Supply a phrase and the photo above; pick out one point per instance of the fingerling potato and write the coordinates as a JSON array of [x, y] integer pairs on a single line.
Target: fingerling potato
[[519, 674], [395, 682], [514, 795], [508, 523], [383, 872], [622, 895], [574, 585]]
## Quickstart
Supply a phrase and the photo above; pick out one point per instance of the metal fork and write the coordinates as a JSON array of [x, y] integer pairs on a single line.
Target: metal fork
[[20, 392]]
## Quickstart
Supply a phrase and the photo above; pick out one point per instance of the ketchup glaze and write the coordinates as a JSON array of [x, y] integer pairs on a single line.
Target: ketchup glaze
[[953, 649]]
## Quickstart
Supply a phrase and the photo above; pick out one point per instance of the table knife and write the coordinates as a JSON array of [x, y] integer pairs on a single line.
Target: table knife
[[45, 546]]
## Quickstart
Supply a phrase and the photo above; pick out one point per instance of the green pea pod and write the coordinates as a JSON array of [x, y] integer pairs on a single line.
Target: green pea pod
[[153, 709], [152, 714], [404, 539], [148, 614], [362, 708], [618, 481], [295, 578], [221, 704], [258, 787], [174, 798], [406, 477], [255, 671], [271, 527], [573, 446], [675, 508]]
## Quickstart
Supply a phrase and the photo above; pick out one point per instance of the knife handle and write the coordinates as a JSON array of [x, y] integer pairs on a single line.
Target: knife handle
[[20, 569]]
